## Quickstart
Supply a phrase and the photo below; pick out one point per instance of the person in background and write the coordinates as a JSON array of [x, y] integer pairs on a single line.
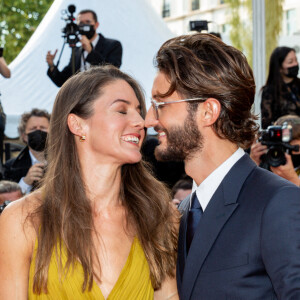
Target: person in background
[[181, 189], [290, 170], [9, 191], [28, 167], [95, 50], [281, 93], [5, 72], [101, 226]]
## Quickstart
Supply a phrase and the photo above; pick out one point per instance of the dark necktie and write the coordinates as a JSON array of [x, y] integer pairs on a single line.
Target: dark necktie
[[194, 216]]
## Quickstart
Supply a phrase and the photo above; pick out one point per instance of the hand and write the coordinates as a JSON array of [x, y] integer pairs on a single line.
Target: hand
[[35, 173], [4, 70], [257, 150], [50, 58], [86, 44], [287, 171]]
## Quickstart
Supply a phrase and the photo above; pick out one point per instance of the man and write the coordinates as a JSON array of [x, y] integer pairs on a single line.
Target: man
[[29, 166], [9, 191], [291, 169], [239, 232], [95, 50], [181, 189]]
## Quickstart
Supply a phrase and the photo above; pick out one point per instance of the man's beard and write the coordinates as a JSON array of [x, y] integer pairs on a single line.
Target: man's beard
[[182, 142]]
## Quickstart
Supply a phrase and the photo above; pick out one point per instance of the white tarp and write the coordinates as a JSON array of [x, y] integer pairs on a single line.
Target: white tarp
[[133, 22]]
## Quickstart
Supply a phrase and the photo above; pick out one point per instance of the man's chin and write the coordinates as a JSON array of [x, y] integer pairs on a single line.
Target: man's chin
[[166, 155]]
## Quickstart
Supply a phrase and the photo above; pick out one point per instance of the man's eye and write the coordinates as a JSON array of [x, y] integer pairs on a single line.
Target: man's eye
[[123, 112]]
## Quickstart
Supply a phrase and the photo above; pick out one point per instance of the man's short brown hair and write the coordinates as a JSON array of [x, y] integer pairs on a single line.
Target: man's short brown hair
[[201, 65], [35, 112], [89, 11]]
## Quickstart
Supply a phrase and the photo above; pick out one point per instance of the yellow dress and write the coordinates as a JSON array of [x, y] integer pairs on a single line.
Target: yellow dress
[[133, 283]]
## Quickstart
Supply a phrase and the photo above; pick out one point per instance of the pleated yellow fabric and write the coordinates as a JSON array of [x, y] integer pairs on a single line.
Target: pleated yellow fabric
[[133, 283]]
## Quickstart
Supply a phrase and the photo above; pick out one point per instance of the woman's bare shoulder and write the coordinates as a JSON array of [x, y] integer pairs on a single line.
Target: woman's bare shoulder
[[18, 218], [17, 238]]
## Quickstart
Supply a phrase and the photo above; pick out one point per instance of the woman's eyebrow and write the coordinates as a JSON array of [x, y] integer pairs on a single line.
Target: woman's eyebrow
[[126, 102]]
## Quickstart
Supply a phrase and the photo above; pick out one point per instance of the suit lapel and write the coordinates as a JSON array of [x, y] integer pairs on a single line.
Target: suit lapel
[[100, 46], [220, 208], [184, 209]]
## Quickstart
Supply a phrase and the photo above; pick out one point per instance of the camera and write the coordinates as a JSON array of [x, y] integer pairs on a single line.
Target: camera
[[3, 206], [277, 139], [199, 25], [71, 30]]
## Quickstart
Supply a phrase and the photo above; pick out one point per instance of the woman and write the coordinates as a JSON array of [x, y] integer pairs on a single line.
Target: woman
[[101, 226], [281, 94]]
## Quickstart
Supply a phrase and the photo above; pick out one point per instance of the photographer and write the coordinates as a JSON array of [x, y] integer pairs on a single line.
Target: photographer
[[291, 169], [9, 191], [5, 72], [28, 167], [95, 50]]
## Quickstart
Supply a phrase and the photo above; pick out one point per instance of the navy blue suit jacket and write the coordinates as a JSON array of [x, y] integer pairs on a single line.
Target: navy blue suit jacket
[[247, 243]]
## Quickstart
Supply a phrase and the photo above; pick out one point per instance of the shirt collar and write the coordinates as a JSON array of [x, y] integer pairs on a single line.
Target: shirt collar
[[95, 41], [208, 187], [33, 159]]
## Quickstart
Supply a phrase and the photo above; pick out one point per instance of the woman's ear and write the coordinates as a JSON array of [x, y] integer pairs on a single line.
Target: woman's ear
[[212, 109], [75, 124]]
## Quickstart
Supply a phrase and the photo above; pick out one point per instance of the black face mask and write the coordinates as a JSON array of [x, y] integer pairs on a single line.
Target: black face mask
[[296, 160], [37, 140], [292, 71], [87, 30]]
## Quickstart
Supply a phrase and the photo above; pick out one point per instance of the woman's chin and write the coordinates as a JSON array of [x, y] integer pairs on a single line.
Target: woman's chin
[[133, 159]]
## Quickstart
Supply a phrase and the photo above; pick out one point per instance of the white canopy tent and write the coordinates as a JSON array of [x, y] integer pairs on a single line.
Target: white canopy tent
[[133, 22]]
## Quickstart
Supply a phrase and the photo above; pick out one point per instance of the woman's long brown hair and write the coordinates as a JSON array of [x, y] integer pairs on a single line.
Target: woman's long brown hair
[[65, 212]]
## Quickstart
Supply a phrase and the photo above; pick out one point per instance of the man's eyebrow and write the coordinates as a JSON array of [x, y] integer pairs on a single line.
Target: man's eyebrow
[[157, 98]]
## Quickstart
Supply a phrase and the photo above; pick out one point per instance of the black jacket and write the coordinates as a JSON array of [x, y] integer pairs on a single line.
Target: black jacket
[[106, 51], [16, 168]]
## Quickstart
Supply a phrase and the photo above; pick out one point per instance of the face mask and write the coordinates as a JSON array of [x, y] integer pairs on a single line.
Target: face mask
[[296, 160], [87, 30], [292, 71], [37, 140]]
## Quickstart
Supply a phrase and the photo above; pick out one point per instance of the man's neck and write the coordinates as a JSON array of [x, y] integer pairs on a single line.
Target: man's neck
[[40, 156], [203, 163], [94, 37]]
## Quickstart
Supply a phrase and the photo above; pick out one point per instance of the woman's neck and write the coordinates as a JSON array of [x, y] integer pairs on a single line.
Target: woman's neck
[[103, 183]]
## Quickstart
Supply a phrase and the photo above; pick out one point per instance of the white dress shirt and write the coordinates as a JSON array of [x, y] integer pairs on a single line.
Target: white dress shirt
[[26, 188], [84, 64], [208, 187]]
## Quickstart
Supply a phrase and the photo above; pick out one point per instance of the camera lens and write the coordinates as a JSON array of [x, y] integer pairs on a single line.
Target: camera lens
[[276, 157]]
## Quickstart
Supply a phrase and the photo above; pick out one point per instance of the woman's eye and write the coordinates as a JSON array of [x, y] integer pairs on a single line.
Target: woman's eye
[[123, 112]]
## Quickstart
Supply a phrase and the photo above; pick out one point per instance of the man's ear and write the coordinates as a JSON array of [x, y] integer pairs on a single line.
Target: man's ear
[[96, 25], [24, 138], [75, 124], [211, 111]]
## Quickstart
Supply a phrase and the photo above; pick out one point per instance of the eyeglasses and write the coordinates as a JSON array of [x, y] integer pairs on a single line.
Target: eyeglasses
[[156, 104]]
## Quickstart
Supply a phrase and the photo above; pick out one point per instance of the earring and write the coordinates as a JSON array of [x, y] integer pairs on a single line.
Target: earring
[[82, 138]]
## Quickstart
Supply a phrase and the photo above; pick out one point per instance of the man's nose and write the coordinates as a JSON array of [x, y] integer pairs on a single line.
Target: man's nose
[[150, 120]]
